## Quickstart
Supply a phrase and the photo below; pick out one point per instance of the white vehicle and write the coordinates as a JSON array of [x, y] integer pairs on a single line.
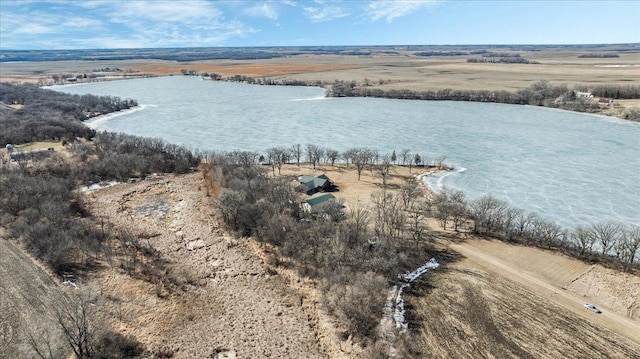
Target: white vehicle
[[592, 308]]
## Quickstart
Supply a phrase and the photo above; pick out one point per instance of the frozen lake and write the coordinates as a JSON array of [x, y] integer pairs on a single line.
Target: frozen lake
[[571, 168]]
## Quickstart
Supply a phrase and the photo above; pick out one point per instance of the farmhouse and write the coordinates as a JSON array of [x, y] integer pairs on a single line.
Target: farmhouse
[[311, 184]]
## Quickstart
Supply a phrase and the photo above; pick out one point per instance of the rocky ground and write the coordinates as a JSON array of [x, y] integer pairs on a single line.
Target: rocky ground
[[231, 306]]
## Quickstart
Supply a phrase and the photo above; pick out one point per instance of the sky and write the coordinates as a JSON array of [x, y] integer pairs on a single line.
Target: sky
[[99, 24]]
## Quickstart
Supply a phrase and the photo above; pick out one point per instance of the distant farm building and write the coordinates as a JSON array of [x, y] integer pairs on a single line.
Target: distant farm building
[[311, 184], [317, 202], [583, 94], [605, 101]]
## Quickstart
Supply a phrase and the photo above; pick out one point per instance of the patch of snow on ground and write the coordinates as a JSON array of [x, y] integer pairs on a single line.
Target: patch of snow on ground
[[97, 186], [398, 306]]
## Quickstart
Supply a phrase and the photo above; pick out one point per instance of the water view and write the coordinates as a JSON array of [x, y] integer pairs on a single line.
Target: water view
[[571, 168]]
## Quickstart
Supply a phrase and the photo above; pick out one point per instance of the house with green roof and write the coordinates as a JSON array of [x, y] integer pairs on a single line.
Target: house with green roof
[[314, 203], [312, 184]]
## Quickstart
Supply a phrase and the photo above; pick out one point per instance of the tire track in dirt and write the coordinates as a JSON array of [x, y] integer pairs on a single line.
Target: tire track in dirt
[[609, 319]]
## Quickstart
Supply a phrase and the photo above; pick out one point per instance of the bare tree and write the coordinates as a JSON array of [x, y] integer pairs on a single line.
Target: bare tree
[[523, 222], [583, 240], [459, 209], [358, 223], [319, 154], [74, 318], [296, 150], [389, 218], [548, 234], [277, 157], [410, 191], [443, 204], [374, 157], [359, 159], [631, 239], [41, 342], [333, 156], [487, 213], [417, 226], [404, 155], [314, 154], [384, 169], [606, 234], [272, 157], [348, 155], [439, 161]]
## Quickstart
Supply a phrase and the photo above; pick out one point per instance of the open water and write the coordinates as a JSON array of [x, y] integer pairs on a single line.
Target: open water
[[569, 167]]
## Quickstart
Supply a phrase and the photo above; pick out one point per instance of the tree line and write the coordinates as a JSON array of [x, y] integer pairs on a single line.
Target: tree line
[[360, 157], [541, 93], [50, 115], [594, 55], [501, 57], [608, 242], [617, 92]]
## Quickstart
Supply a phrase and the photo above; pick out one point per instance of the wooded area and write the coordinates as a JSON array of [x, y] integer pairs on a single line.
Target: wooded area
[[354, 255], [49, 115]]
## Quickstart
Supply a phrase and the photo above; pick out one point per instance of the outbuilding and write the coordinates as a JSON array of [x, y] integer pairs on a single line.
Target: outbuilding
[[315, 203]]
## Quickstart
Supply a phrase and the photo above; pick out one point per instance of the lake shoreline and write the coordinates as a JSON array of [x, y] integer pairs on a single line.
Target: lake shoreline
[[607, 110], [508, 150]]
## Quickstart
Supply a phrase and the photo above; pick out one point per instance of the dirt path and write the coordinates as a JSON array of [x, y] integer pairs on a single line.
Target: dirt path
[[490, 262], [236, 308]]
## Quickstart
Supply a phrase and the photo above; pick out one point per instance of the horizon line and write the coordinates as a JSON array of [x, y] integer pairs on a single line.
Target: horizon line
[[310, 46]]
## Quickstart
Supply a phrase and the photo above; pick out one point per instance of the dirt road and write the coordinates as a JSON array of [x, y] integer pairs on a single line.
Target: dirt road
[[493, 263]]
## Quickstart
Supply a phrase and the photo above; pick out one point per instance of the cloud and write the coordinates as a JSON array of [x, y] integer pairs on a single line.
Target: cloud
[[33, 29], [264, 10], [120, 24], [392, 9], [165, 11], [324, 12]]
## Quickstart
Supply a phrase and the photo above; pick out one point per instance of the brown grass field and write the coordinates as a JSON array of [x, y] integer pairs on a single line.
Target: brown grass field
[[402, 69]]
